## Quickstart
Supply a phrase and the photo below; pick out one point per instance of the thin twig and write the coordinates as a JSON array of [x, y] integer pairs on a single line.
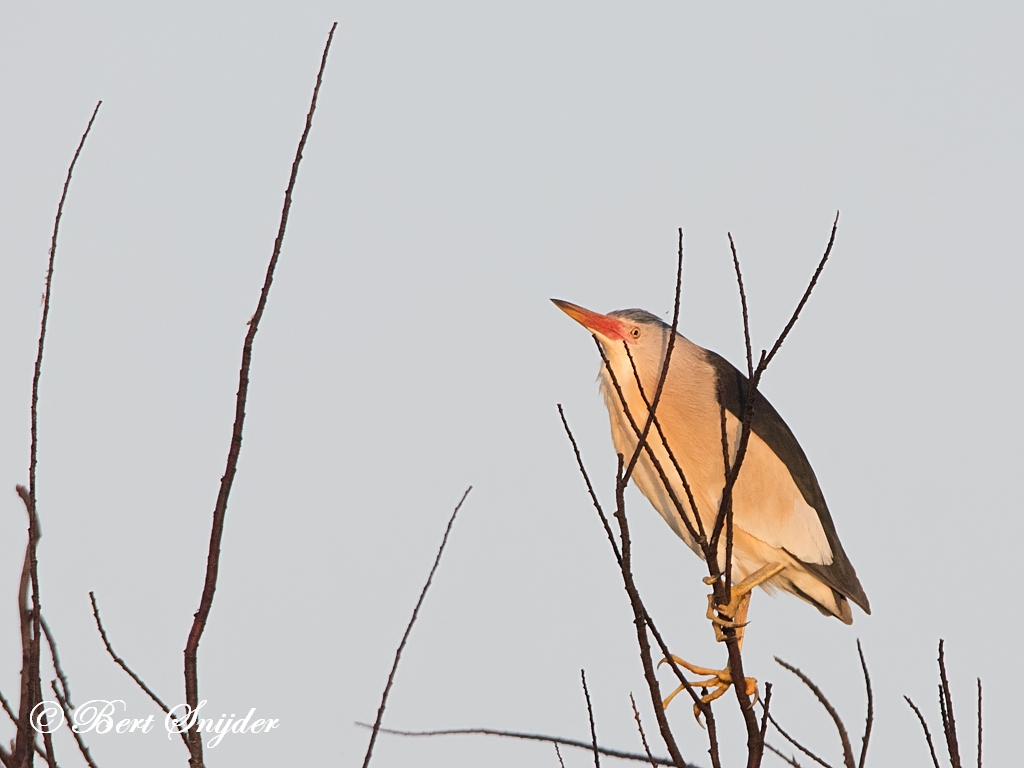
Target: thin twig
[[606, 751], [31, 687], [791, 760], [408, 629], [796, 743], [558, 754], [869, 720], [743, 306], [217, 529], [618, 556], [124, 665], [590, 486], [640, 727], [843, 737], [979, 722], [65, 685], [7, 708], [65, 705], [653, 406], [758, 756], [927, 733], [807, 294], [38, 370], [48, 755], [590, 715], [655, 462], [946, 702], [641, 621]]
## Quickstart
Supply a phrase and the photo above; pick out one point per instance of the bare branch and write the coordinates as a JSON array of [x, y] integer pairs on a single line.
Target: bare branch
[[755, 757], [871, 708], [124, 665], [979, 722], [641, 620], [946, 707], [558, 754], [618, 556], [743, 305], [652, 407], [640, 727], [927, 733], [790, 760], [621, 754], [590, 715], [650, 451], [37, 373], [803, 299], [408, 629], [217, 530], [65, 705], [843, 737], [590, 487], [4, 755], [797, 744], [65, 685]]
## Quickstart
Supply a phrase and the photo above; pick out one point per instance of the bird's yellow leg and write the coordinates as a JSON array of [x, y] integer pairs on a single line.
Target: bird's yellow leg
[[734, 613]]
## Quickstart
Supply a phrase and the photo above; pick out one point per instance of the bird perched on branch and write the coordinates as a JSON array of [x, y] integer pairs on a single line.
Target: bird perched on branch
[[783, 534]]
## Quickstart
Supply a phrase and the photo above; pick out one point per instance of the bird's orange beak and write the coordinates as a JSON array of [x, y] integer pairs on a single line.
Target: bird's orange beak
[[609, 327]]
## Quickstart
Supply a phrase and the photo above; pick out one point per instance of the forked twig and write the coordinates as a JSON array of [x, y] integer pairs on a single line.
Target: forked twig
[[606, 751], [195, 743], [408, 630]]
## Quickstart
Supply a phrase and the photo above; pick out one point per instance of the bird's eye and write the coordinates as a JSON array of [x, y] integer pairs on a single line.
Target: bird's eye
[[635, 333]]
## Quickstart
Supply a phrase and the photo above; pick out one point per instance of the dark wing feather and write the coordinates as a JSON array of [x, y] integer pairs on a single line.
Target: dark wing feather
[[769, 426]]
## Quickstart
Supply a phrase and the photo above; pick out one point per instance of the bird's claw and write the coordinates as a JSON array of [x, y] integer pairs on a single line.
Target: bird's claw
[[718, 680]]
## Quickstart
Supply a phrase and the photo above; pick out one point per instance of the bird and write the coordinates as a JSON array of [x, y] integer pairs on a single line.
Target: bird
[[784, 537]]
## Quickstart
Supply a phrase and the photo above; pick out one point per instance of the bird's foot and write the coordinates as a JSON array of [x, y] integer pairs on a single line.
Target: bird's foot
[[718, 681], [726, 615]]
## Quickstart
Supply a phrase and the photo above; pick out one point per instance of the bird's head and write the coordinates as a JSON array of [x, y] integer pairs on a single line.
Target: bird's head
[[641, 330]]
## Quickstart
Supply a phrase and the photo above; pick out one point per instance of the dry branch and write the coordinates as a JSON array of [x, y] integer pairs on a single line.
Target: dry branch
[[194, 740], [640, 728], [590, 716], [31, 686], [408, 630], [844, 738], [124, 665], [556, 740]]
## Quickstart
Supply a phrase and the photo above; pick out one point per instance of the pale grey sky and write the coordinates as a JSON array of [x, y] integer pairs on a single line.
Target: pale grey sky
[[469, 161]]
